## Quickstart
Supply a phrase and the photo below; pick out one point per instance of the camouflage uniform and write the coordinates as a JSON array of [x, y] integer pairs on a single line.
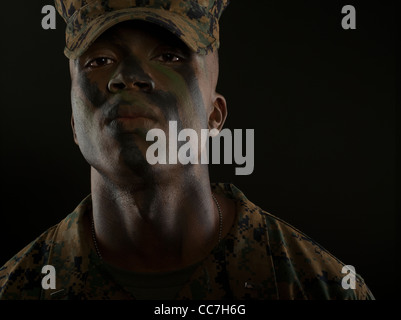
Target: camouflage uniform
[[262, 257]]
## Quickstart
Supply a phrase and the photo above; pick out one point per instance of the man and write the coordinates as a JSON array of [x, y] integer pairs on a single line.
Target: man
[[160, 231]]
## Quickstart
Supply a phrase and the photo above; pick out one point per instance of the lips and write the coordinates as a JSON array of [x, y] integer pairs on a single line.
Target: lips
[[130, 112]]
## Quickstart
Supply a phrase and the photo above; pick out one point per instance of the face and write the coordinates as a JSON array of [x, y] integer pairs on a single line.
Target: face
[[134, 78]]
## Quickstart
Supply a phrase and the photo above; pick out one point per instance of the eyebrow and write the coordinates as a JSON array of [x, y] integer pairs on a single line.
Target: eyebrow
[[115, 43]]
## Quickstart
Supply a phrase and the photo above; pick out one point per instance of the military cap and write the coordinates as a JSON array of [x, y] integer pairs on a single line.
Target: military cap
[[195, 22]]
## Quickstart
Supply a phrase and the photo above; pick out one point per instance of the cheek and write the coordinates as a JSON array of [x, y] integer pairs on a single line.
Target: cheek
[[196, 100], [86, 98], [83, 112], [86, 128], [92, 89], [184, 85], [82, 123], [199, 99]]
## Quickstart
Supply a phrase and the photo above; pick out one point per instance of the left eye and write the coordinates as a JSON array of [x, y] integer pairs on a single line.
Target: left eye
[[169, 57], [99, 62]]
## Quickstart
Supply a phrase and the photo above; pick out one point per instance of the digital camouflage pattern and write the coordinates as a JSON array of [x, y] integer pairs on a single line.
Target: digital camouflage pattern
[[262, 257], [196, 22]]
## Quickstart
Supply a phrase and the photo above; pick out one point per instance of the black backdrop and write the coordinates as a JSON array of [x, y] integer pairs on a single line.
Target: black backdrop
[[321, 99]]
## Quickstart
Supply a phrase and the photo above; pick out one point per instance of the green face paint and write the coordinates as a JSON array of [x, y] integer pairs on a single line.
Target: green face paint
[[172, 93]]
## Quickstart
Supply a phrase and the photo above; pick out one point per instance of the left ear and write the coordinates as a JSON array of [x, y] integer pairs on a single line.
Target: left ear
[[218, 114]]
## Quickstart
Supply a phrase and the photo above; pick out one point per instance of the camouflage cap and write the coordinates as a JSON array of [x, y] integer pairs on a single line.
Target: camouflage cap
[[196, 22]]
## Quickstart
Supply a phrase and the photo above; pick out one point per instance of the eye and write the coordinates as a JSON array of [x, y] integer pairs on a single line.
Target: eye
[[99, 62], [169, 57]]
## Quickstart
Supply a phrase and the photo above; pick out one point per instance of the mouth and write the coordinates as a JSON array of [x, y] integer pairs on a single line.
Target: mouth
[[130, 113], [127, 118]]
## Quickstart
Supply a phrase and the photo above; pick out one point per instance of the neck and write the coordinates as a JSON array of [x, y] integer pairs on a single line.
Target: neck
[[157, 226]]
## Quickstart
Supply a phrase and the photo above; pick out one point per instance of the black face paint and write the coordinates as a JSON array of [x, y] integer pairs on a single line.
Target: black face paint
[[189, 76], [184, 88], [108, 104]]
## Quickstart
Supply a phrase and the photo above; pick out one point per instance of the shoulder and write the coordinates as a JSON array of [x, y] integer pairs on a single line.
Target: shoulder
[[20, 277], [305, 267], [301, 267], [60, 246]]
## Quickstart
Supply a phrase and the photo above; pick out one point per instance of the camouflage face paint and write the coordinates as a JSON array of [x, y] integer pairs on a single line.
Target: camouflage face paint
[[177, 96]]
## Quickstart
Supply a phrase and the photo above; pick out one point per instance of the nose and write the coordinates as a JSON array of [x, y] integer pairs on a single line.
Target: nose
[[130, 77]]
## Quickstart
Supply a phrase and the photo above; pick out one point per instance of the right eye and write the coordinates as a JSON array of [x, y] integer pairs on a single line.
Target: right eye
[[99, 62], [169, 58]]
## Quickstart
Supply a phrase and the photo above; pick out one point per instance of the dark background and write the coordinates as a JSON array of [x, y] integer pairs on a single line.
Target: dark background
[[322, 101]]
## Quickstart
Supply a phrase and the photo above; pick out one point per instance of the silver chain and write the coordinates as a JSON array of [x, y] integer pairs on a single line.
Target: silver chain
[[220, 228], [220, 217], [94, 239]]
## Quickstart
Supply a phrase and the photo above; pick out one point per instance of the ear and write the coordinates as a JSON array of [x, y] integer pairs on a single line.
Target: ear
[[73, 130], [218, 114]]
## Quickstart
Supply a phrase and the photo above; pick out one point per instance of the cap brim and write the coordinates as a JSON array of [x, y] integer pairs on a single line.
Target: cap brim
[[189, 33]]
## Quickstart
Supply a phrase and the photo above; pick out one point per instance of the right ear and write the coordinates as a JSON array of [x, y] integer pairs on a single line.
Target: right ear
[[73, 130]]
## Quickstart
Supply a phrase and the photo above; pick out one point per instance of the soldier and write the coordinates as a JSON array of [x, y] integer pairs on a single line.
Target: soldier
[[160, 231]]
